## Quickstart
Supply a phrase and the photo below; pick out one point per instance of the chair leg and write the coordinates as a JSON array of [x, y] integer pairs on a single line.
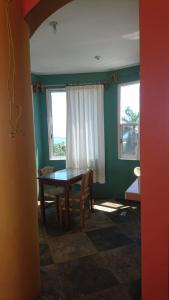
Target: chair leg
[[91, 204], [60, 216], [57, 209], [81, 220]]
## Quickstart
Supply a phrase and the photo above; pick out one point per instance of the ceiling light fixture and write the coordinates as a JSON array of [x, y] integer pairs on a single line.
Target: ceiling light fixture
[[97, 57], [54, 24]]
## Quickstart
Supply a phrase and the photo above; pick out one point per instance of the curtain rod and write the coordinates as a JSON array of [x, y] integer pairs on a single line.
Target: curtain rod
[[75, 84], [39, 87]]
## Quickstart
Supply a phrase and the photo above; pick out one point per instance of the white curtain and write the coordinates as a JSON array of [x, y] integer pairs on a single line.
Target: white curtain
[[85, 145]]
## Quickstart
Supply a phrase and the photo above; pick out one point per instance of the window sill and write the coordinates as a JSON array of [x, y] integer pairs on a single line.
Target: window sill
[[57, 158], [128, 158]]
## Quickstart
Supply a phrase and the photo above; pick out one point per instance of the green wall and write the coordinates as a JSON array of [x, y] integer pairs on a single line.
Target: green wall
[[119, 173], [37, 126]]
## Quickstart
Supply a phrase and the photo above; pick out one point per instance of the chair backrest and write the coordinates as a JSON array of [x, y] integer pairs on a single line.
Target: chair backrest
[[86, 186], [46, 170]]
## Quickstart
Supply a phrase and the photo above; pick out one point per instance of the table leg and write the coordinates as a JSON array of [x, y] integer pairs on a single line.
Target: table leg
[[67, 216], [42, 202]]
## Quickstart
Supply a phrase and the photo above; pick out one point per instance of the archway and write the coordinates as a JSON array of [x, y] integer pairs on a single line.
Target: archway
[[41, 11], [152, 266]]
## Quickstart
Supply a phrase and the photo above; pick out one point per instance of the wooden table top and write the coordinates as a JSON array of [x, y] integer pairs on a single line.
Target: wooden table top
[[63, 175], [133, 192]]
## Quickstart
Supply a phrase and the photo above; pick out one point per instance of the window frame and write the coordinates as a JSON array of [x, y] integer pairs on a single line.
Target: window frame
[[50, 122], [119, 125]]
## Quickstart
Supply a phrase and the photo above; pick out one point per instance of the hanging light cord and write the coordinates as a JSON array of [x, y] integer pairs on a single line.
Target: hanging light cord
[[11, 78]]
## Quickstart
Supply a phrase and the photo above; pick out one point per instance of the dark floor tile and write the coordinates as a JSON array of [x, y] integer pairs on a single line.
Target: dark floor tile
[[108, 238], [118, 292], [132, 230], [53, 229], [74, 279], [84, 276], [45, 255], [98, 220], [71, 246], [123, 262], [50, 284]]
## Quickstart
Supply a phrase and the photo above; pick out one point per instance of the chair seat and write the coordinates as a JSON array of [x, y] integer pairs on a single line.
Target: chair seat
[[73, 197], [52, 193], [74, 200]]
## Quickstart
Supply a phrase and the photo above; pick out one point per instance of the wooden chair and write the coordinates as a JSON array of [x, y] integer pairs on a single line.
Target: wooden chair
[[52, 194], [80, 201]]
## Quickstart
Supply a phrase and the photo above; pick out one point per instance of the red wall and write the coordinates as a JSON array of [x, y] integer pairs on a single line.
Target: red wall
[[154, 26], [154, 22]]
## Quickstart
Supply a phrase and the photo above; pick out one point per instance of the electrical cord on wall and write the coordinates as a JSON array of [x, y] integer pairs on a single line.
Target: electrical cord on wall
[[11, 79]]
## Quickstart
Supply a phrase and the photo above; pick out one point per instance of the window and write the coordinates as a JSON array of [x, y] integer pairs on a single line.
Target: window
[[128, 118], [56, 116]]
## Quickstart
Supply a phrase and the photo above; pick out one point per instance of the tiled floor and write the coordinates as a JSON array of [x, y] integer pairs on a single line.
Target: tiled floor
[[102, 262]]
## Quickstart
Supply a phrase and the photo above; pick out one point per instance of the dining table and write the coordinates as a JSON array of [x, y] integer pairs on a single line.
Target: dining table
[[64, 178]]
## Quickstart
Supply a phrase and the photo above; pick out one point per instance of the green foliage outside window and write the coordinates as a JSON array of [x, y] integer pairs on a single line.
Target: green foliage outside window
[[59, 149], [130, 116]]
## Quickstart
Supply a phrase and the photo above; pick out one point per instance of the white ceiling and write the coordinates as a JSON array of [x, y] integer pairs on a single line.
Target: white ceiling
[[87, 28]]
